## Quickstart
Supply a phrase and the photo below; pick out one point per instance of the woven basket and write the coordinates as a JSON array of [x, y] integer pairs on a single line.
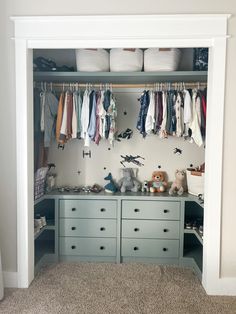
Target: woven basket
[[161, 59]]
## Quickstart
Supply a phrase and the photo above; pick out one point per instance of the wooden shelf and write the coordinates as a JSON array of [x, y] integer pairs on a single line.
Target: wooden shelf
[[195, 232], [196, 254], [37, 201], [50, 226], [121, 77]]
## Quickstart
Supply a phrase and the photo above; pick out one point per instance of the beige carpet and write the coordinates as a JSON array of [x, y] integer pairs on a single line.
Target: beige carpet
[[110, 288]]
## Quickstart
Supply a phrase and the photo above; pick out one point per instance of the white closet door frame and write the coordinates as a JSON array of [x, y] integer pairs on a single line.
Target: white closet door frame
[[123, 31]]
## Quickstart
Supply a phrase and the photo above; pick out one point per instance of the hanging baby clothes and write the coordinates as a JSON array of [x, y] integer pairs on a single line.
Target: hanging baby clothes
[[144, 103], [49, 106], [85, 118], [195, 123], [92, 120], [187, 112], [77, 100], [59, 117], [171, 116], [98, 119], [40, 152], [158, 111], [163, 132], [150, 118], [112, 114], [179, 107]]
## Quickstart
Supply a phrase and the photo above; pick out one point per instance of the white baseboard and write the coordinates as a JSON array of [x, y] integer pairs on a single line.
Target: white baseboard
[[224, 286], [10, 279]]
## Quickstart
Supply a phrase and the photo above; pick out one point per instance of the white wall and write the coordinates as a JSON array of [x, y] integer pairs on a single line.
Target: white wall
[[7, 121]]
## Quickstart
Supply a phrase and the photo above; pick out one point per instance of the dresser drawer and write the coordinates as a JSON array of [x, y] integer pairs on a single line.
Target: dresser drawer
[[87, 209], [150, 229], [87, 227], [87, 246], [166, 210], [150, 248]]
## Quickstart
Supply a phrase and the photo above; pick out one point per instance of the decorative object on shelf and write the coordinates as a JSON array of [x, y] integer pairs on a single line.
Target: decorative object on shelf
[[133, 159], [158, 182], [51, 178], [129, 182], [195, 180], [39, 182], [179, 184], [201, 198], [177, 151], [145, 186], [92, 60], [96, 188], [200, 59], [111, 186], [126, 60], [161, 59], [43, 64], [126, 134]]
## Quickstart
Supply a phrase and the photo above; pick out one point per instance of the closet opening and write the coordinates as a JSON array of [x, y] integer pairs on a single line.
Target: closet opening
[[69, 166]]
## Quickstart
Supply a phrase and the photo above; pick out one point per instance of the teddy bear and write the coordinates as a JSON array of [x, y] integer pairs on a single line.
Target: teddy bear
[[179, 185], [158, 182], [129, 182]]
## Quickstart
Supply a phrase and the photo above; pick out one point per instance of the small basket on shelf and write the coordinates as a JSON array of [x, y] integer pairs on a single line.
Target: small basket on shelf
[[39, 182], [195, 180]]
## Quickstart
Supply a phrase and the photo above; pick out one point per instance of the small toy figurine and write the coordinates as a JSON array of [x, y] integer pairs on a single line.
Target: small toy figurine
[[111, 186], [158, 183], [130, 158], [145, 186]]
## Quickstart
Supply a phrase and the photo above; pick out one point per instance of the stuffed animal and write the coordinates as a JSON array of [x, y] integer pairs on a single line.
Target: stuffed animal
[[179, 185], [158, 183], [128, 182], [145, 186], [111, 186]]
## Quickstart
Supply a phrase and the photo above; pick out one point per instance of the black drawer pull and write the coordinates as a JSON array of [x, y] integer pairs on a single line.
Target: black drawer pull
[[136, 248], [73, 247], [164, 249], [165, 230], [73, 228], [136, 210], [166, 211], [102, 247], [102, 210], [73, 209], [136, 229], [102, 228]]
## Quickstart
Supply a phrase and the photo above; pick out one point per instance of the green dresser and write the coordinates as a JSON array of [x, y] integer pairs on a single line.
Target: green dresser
[[88, 229], [150, 230]]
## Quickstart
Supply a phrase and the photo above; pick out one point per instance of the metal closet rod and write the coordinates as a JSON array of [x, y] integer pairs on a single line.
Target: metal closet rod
[[159, 85]]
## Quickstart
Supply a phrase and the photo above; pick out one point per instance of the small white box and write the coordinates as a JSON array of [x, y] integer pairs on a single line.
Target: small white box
[[92, 60], [126, 59], [195, 182], [161, 59]]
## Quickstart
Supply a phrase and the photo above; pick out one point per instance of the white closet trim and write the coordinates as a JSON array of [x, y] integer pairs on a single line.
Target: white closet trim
[[122, 31]]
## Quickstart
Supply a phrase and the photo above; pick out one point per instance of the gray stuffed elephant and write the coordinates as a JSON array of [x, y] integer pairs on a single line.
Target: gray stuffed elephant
[[129, 182]]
